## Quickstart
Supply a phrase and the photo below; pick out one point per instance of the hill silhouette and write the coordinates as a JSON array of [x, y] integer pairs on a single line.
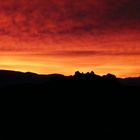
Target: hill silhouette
[[81, 105], [15, 78]]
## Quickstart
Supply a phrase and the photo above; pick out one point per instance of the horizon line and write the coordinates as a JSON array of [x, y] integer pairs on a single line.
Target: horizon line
[[20, 71]]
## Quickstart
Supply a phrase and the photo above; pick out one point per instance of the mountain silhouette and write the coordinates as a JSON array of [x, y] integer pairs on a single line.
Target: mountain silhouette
[[81, 105]]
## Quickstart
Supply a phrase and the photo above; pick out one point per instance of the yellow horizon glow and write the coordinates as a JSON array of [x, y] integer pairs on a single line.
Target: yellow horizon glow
[[120, 66]]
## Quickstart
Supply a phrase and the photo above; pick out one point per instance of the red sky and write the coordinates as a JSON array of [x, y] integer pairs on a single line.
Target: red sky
[[62, 36]]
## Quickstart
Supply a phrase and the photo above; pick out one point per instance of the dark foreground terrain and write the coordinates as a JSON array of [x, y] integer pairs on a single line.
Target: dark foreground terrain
[[69, 107]]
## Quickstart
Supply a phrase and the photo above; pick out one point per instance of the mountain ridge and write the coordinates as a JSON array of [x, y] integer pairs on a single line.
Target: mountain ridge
[[81, 104], [7, 75]]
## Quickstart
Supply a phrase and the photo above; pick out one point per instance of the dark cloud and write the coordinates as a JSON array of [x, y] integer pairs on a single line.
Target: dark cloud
[[37, 17], [90, 53]]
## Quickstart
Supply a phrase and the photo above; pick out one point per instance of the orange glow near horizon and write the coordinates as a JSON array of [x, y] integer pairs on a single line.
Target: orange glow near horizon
[[67, 66], [102, 59]]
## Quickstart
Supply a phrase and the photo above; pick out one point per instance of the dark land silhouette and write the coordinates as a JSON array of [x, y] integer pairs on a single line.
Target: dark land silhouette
[[78, 106]]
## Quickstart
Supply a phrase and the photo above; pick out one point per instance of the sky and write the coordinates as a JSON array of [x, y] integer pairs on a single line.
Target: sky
[[63, 36]]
